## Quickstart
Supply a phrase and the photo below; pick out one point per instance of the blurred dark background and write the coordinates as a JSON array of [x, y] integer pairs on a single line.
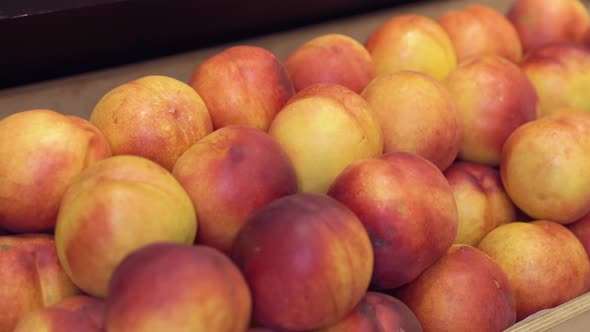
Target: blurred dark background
[[41, 40]]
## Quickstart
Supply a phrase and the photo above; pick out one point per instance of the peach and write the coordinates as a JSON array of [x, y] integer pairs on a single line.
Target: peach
[[586, 39], [377, 312], [323, 129], [481, 30], [581, 229], [417, 115], [560, 73], [177, 287], [116, 206], [482, 202], [75, 313], [228, 175], [155, 117], [465, 290], [41, 153], [540, 22], [32, 277], [243, 85], [544, 261], [331, 58], [407, 207], [493, 97], [545, 167], [412, 42], [308, 261]]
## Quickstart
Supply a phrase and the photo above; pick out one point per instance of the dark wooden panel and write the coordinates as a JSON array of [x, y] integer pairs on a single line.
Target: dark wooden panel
[[39, 42]]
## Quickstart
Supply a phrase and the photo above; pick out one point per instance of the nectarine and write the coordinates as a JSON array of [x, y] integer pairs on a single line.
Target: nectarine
[[544, 261], [545, 167], [31, 277], [307, 259], [412, 42], [177, 287], [417, 114], [41, 153], [242, 85], [114, 207], [331, 58], [155, 117], [465, 290], [228, 175], [493, 97], [407, 207]]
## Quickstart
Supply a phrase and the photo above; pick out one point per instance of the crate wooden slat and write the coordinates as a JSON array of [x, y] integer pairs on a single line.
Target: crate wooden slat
[[554, 319]]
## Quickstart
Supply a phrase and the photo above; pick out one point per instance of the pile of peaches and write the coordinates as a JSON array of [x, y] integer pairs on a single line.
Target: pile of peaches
[[435, 177]]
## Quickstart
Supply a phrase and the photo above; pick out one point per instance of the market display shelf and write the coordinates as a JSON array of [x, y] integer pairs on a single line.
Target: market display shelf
[[66, 55]]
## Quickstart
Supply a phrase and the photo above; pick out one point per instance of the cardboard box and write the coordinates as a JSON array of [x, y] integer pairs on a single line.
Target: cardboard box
[[79, 93]]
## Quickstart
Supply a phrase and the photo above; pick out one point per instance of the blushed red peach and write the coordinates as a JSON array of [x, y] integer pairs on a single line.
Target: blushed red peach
[[465, 290], [417, 114], [493, 97], [482, 202], [540, 22], [307, 259], [41, 153], [545, 167], [323, 129], [155, 117], [177, 287], [331, 58], [228, 175], [377, 312], [242, 85], [408, 209], [581, 229], [75, 313], [544, 261], [412, 42], [560, 73], [114, 207], [32, 277], [586, 39], [481, 30]]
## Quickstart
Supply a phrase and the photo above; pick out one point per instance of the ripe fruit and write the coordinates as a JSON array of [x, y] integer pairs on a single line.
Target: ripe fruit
[[74, 313], [581, 229], [407, 207], [482, 202], [465, 290], [331, 58], [412, 42], [493, 98], [323, 129], [545, 263], [540, 22], [481, 30], [41, 153], [228, 175], [114, 207], [417, 114], [177, 287], [560, 74], [155, 117], [545, 167], [32, 277], [377, 312], [242, 85], [307, 259]]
